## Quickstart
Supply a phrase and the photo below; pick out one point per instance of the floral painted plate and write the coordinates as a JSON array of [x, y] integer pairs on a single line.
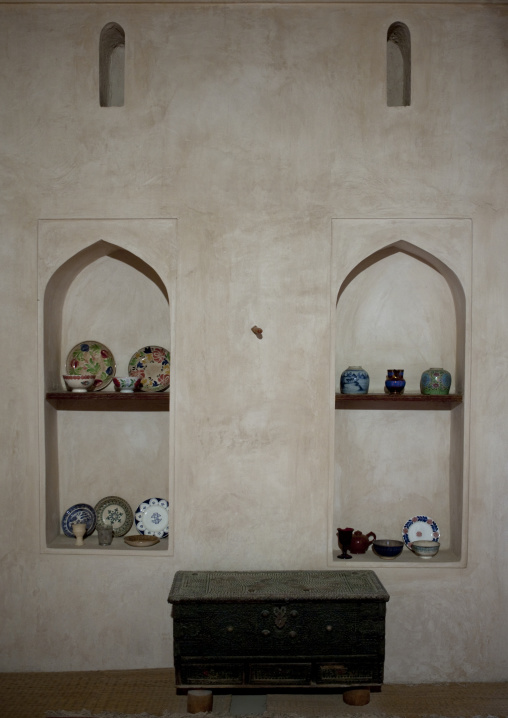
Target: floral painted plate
[[90, 357], [116, 512], [79, 514], [151, 366], [152, 518], [419, 528]]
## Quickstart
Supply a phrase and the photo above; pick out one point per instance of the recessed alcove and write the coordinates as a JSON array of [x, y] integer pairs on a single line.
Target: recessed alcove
[[112, 65], [398, 65], [115, 290], [401, 299]]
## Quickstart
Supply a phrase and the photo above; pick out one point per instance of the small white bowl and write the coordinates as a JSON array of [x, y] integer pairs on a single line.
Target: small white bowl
[[425, 549], [126, 384], [79, 383]]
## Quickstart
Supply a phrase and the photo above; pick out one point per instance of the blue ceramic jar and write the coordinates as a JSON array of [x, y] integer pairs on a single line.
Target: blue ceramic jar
[[435, 381], [354, 380], [395, 382]]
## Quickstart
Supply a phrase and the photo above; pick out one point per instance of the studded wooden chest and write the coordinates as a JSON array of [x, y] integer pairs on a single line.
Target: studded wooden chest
[[278, 629]]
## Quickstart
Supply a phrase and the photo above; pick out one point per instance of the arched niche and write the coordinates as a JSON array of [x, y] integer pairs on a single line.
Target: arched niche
[[103, 286], [401, 294], [108, 293], [112, 65], [398, 65], [404, 295]]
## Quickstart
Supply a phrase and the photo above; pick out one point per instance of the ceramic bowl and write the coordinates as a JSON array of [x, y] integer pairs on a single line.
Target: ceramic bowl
[[387, 548], [425, 549], [126, 384], [79, 383]]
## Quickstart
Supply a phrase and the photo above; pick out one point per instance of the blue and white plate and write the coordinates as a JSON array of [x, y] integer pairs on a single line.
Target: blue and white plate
[[79, 514], [152, 518], [419, 528]]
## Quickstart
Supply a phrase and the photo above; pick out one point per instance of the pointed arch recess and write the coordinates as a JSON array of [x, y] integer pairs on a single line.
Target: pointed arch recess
[[456, 289]]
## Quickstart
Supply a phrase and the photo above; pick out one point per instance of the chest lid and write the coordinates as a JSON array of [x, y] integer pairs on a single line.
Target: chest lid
[[257, 586]]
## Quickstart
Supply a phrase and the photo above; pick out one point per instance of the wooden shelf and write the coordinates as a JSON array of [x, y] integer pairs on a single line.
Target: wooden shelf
[[413, 402], [109, 401]]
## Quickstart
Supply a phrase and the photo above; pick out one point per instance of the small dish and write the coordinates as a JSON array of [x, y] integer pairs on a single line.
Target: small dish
[[79, 384], [387, 548], [151, 366], [419, 528], [79, 514], [425, 549], [141, 541], [116, 512], [152, 518], [126, 384], [91, 357]]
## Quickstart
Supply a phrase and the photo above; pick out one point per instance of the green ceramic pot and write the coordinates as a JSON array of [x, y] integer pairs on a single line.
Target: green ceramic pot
[[435, 381]]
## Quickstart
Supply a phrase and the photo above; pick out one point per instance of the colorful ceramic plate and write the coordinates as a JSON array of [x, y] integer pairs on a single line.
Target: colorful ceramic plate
[[152, 518], [420, 528], [90, 357], [79, 514], [116, 512], [141, 541], [151, 366]]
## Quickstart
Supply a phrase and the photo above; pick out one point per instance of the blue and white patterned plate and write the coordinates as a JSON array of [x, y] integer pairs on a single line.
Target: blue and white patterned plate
[[79, 514], [152, 518], [116, 512], [419, 528]]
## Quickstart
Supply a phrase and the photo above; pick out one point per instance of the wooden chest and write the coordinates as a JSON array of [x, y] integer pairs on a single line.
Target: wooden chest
[[278, 629]]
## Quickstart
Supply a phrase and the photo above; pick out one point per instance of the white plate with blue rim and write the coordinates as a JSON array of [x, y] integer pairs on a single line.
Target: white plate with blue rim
[[152, 518], [79, 514], [419, 528]]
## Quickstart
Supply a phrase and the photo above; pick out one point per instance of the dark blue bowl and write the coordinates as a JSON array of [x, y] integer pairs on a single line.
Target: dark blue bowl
[[387, 548]]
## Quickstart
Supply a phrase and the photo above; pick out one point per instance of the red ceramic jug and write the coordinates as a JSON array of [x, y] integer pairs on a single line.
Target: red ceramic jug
[[360, 542]]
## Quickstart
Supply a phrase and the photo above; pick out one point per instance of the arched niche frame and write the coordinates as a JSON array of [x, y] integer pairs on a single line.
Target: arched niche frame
[[454, 284], [58, 287], [68, 248], [444, 247]]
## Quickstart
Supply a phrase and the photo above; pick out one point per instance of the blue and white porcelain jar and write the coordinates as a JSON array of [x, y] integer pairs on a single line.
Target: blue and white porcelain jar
[[435, 381], [354, 380]]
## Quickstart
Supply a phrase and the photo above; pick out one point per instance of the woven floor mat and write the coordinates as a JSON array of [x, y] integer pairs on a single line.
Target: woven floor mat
[[464, 700], [32, 695], [152, 691]]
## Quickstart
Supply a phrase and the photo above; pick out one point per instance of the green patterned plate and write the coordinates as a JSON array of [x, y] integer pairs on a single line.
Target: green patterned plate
[[91, 357]]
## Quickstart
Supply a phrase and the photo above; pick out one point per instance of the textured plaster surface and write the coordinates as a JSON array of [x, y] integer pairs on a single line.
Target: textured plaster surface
[[254, 126]]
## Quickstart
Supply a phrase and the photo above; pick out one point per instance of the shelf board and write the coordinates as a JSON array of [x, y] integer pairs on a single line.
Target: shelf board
[[446, 558], [109, 401], [64, 544], [413, 402]]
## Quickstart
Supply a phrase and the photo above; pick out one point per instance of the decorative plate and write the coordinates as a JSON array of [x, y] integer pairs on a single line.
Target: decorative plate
[[420, 528], [152, 518], [116, 512], [141, 541], [79, 514], [151, 366], [90, 357]]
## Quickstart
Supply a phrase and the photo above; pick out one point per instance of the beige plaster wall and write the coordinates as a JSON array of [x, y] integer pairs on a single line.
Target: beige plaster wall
[[254, 126]]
